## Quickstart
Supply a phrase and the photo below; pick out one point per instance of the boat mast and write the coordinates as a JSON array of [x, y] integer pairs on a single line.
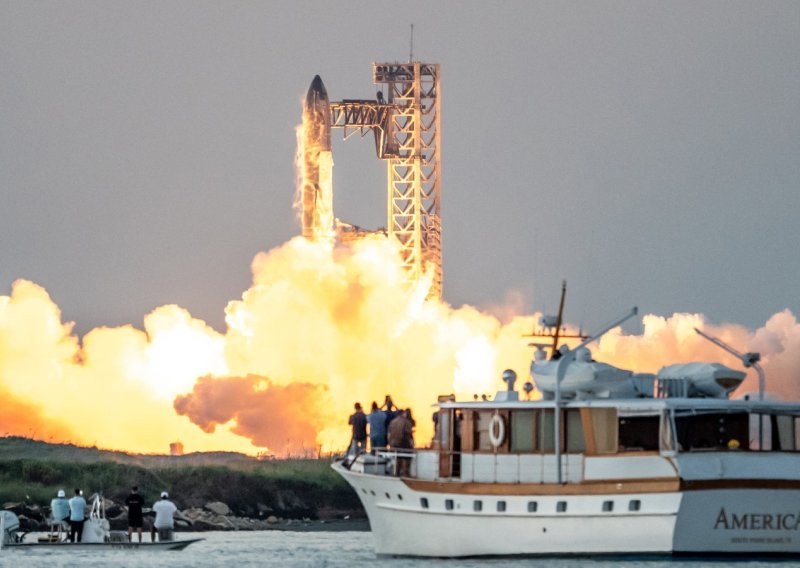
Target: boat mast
[[559, 318], [567, 357]]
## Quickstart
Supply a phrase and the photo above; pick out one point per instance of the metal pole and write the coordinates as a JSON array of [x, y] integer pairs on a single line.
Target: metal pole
[[561, 371], [761, 380]]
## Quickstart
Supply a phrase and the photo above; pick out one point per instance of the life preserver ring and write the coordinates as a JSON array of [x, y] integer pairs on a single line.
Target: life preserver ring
[[497, 431]]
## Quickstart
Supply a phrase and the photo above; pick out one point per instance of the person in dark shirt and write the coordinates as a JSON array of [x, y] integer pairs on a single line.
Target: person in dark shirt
[[134, 502], [388, 405], [358, 420], [401, 438]]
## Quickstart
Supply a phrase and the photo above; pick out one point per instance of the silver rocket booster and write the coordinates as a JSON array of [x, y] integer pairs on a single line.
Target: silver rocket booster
[[317, 190], [318, 105]]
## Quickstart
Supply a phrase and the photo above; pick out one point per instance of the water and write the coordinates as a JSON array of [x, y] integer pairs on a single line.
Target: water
[[311, 549]]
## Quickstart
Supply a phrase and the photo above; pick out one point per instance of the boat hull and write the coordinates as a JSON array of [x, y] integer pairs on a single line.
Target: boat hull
[[444, 522], [96, 546]]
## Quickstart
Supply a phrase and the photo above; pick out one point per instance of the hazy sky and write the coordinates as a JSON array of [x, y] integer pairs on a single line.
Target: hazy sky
[[649, 152]]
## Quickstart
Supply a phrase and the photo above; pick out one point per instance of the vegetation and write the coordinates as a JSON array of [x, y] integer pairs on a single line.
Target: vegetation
[[32, 472]]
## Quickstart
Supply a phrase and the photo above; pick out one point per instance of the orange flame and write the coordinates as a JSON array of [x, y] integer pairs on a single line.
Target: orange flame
[[321, 328], [314, 187]]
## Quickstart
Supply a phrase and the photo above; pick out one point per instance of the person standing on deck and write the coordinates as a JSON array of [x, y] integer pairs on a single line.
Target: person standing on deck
[[358, 420], [134, 502], [377, 427], [401, 438], [390, 411], [77, 514]]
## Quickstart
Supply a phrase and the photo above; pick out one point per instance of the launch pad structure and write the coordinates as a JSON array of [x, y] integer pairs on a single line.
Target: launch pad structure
[[406, 123]]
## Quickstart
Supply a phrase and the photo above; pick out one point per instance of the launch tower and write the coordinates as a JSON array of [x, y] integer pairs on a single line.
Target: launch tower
[[406, 122]]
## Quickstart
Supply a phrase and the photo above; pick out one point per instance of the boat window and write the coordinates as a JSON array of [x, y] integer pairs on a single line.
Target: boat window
[[523, 431], [477, 506], [532, 506], [561, 507], [448, 504], [604, 422], [546, 432], [501, 506], [713, 431], [638, 433], [423, 501], [785, 427], [608, 506], [574, 427], [634, 505]]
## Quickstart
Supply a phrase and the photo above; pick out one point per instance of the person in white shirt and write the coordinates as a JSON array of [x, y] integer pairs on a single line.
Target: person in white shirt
[[165, 517], [77, 514]]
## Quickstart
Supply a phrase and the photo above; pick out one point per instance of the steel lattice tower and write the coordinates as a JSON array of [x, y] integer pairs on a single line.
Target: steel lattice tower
[[414, 165], [406, 123]]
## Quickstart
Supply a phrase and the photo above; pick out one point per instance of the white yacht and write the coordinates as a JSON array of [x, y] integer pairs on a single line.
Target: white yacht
[[607, 462]]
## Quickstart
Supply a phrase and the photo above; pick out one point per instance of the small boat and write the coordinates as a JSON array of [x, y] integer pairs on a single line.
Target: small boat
[[96, 535], [606, 462]]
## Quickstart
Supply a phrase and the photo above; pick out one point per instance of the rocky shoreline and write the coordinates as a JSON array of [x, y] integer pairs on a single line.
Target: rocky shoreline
[[213, 516]]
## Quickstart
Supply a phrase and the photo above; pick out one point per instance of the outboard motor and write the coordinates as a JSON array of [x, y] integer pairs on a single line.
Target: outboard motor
[[9, 525]]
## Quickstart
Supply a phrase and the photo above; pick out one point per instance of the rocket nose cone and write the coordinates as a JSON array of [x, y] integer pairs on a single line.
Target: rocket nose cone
[[316, 92]]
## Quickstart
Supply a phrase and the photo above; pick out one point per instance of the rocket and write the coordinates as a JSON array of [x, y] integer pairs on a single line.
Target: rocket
[[319, 106], [317, 164]]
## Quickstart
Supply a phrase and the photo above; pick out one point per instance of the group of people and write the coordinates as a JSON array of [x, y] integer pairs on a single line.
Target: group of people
[[72, 512], [389, 427]]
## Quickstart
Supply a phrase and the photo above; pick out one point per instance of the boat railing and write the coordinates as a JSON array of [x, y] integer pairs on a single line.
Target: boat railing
[[490, 467], [434, 464]]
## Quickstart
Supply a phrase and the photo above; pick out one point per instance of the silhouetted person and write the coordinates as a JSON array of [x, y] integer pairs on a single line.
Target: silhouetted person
[[358, 420], [135, 502], [401, 439], [388, 408], [377, 427]]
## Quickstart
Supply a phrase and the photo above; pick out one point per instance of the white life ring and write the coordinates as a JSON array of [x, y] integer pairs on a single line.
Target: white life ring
[[497, 431]]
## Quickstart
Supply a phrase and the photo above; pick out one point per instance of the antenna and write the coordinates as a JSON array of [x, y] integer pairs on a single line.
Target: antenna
[[411, 50], [552, 327], [747, 359]]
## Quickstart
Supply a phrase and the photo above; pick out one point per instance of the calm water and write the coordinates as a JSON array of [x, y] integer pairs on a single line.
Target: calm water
[[291, 549]]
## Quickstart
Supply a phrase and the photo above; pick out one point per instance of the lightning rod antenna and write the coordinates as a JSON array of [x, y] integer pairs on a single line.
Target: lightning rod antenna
[[411, 49]]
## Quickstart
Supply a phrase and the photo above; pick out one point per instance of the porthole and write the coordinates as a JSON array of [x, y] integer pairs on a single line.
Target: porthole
[[388, 496], [399, 497], [372, 493]]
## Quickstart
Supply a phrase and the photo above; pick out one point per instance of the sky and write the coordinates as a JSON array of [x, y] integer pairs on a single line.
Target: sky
[[647, 152]]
